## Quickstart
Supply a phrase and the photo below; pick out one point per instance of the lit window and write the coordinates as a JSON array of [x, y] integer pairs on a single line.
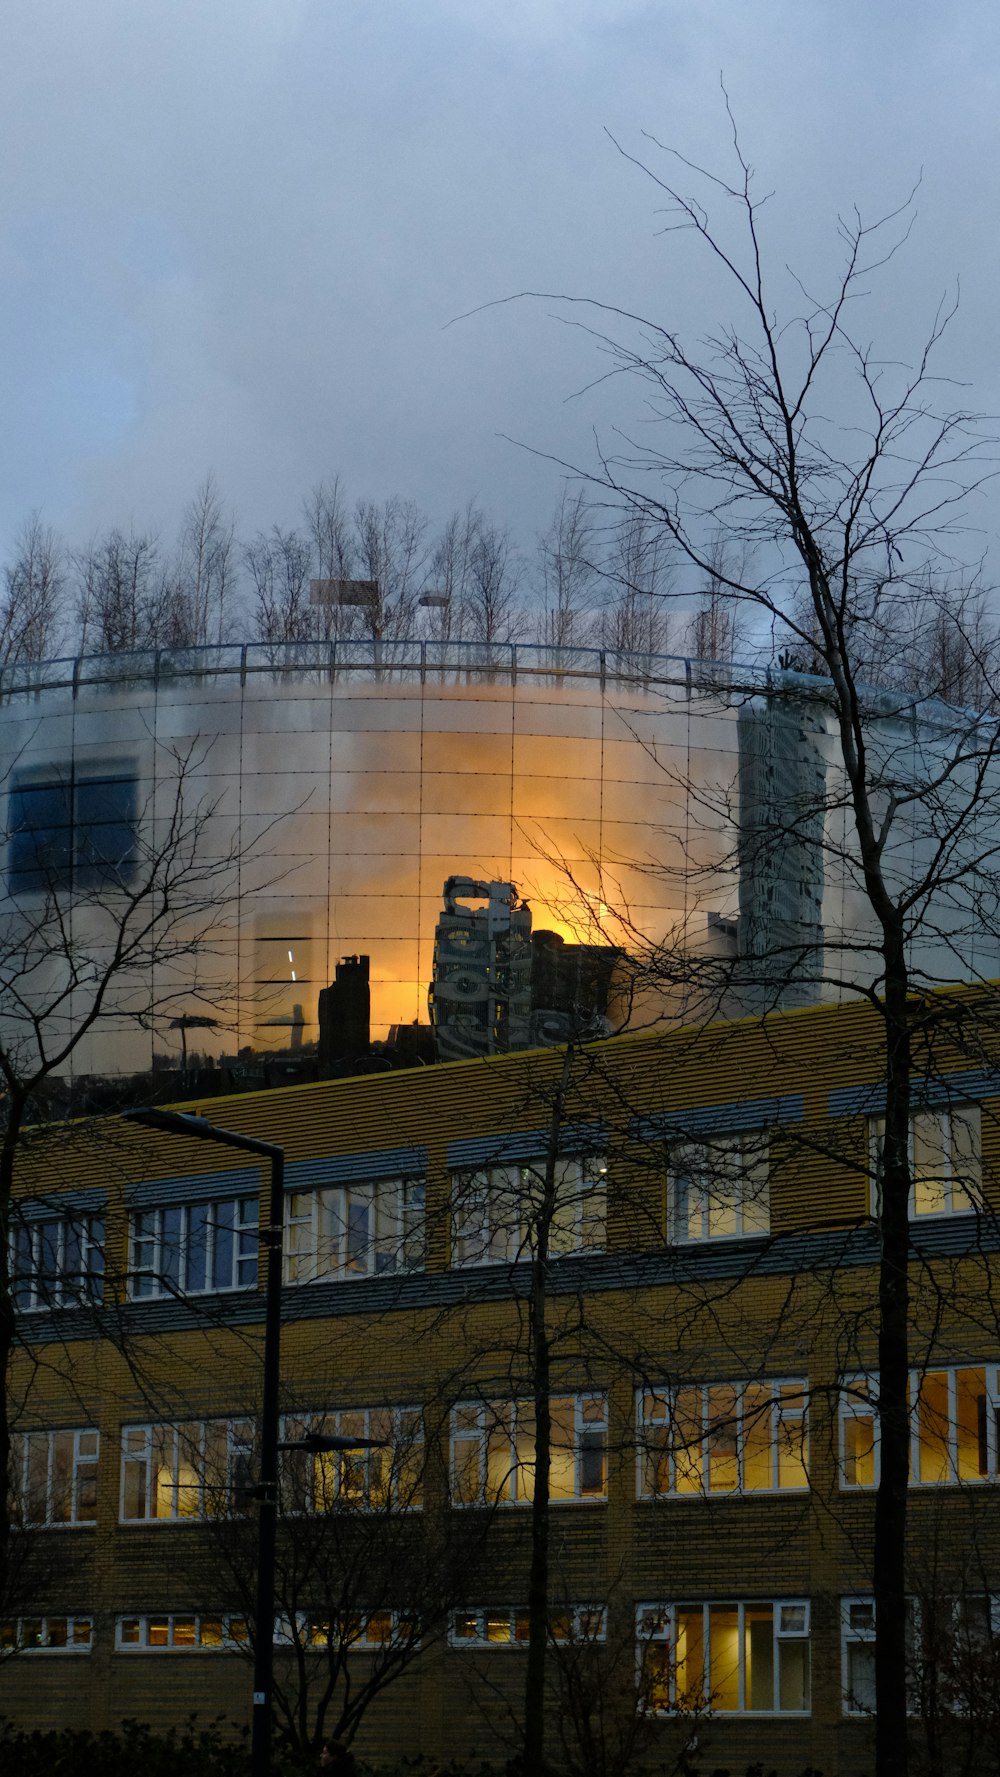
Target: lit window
[[723, 1438], [71, 832], [357, 1230], [954, 1420], [737, 1659], [200, 1469], [379, 1631], [385, 1468], [55, 1476], [497, 1211], [56, 1262], [493, 1450], [192, 1634], [504, 1627], [47, 1635], [193, 1248], [945, 1157], [720, 1188]]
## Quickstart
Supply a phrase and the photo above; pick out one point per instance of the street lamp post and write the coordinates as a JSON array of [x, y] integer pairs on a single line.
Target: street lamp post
[[266, 1492]]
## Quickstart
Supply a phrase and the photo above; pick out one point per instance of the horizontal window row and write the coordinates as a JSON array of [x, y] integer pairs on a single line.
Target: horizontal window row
[[503, 1627], [201, 1469], [47, 1635], [712, 1439], [149, 1633], [350, 1634], [718, 1188]]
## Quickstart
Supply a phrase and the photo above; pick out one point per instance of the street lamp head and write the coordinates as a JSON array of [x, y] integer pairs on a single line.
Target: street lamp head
[[173, 1122]]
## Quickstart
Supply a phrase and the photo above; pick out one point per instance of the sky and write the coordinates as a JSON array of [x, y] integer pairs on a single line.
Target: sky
[[273, 239]]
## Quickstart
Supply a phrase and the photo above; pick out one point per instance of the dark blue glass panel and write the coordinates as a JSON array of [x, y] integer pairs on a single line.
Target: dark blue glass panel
[[40, 849], [105, 838]]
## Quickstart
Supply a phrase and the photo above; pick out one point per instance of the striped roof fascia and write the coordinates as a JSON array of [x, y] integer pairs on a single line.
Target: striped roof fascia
[[963, 1087], [301, 1175], [87, 1202], [720, 1119], [520, 1145]]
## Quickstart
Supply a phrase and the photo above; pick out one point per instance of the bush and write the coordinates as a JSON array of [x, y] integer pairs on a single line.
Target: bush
[[218, 1750]]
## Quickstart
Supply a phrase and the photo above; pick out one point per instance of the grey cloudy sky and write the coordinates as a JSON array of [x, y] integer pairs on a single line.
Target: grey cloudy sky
[[233, 232]]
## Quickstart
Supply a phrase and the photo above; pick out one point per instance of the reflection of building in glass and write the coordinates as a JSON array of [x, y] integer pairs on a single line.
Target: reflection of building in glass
[[498, 985], [783, 791], [480, 997]]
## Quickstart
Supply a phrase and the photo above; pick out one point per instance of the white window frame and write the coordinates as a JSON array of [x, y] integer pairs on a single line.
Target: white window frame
[[502, 1433], [656, 1625], [957, 1197], [173, 1460], [70, 1461], [170, 1244], [855, 1634], [507, 1627], [368, 1228], [234, 1633], [679, 1433], [365, 1478], [41, 1277], [718, 1181], [495, 1210], [853, 1406], [18, 1634], [353, 1635]]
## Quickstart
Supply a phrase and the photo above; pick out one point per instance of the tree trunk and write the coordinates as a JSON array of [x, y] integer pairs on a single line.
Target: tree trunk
[[889, 1562]]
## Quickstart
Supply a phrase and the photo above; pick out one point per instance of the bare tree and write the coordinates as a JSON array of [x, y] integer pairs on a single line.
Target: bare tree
[[328, 524], [32, 600], [495, 613], [96, 910], [744, 452], [569, 576], [451, 573], [637, 566], [278, 563], [365, 1578], [391, 555], [123, 597], [203, 575], [715, 631]]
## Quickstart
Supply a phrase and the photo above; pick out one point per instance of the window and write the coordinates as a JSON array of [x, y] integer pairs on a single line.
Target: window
[[858, 1432], [740, 1659], [504, 1627], [497, 1209], [47, 1635], [493, 1450], [56, 1262], [857, 1617], [356, 1230], [355, 1634], [720, 1189], [71, 832], [148, 1634], [194, 1470], [55, 1476], [945, 1161], [368, 1477], [955, 1427], [723, 1438], [193, 1248]]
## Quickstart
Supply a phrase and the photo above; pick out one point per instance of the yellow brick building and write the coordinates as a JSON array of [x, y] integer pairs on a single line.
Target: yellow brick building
[[710, 1301]]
